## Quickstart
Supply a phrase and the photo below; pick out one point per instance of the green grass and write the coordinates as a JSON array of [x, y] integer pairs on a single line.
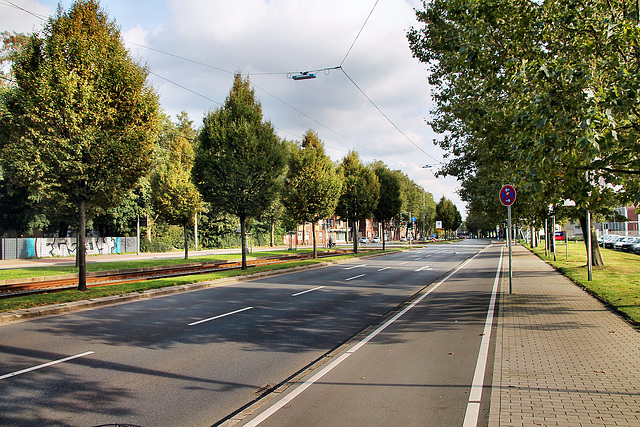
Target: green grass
[[21, 273], [617, 283], [31, 301]]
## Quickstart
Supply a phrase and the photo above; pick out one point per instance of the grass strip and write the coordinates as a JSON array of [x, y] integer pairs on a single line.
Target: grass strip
[[21, 273], [617, 283], [30, 301]]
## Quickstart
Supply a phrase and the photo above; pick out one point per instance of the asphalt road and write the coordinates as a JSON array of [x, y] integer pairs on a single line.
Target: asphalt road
[[194, 359]]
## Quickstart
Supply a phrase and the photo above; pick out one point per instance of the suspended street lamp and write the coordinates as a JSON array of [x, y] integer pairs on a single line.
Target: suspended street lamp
[[304, 76]]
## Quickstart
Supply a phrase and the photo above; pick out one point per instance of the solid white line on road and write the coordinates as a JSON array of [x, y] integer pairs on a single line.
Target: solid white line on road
[[295, 393], [425, 267], [308, 290], [355, 266], [472, 414], [219, 316], [383, 269], [305, 385], [354, 277], [410, 306], [44, 365], [475, 396], [403, 263]]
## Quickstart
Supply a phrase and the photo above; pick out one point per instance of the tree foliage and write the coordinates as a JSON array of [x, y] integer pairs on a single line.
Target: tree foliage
[[10, 44], [360, 192], [312, 185], [176, 199], [542, 95], [78, 126], [239, 158], [447, 212], [390, 200]]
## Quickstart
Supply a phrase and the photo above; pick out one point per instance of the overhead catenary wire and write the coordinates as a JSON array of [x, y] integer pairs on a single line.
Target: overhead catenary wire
[[181, 57], [265, 91], [359, 32], [275, 127], [385, 116], [11, 4], [184, 87]]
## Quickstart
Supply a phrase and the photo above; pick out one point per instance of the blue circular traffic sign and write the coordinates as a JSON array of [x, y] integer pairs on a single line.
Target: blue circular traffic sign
[[507, 195]]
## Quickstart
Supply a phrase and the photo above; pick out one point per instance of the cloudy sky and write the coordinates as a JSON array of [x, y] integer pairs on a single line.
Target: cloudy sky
[[375, 102]]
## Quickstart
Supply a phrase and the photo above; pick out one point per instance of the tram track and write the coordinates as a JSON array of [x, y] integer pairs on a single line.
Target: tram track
[[19, 287]]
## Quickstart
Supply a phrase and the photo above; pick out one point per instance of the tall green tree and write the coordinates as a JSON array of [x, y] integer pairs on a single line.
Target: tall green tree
[[239, 158], [390, 200], [175, 198], [360, 193], [543, 93], [447, 212], [312, 186], [273, 217], [80, 122]]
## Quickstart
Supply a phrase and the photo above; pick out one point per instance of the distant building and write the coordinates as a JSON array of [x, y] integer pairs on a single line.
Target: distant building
[[623, 228], [331, 227]]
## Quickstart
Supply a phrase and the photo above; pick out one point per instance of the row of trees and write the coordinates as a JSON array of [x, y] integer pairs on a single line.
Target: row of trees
[[82, 138], [542, 95]]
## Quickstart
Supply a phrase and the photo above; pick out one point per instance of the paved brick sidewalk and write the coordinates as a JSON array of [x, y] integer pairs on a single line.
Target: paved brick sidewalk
[[562, 358]]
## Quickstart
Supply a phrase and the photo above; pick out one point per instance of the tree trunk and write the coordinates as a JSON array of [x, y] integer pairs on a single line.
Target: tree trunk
[[148, 230], [81, 248], [243, 238], [315, 247], [186, 242], [355, 236], [596, 254], [273, 233], [383, 233], [534, 242]]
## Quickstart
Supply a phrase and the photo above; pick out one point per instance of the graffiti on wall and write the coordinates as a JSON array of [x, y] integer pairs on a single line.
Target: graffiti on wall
[[30, 247], [61, 247], [58, 247]]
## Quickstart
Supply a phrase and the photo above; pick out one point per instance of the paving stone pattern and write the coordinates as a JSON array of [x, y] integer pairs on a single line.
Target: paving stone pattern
[[562, 357]]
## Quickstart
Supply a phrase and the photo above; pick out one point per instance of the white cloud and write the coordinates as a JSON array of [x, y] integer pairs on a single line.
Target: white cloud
[[280, 36]]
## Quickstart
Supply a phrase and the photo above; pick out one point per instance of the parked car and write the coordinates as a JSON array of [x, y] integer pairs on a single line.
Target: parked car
[[375, 240], [636, 249], [612, 241], [629, 246], [605, 238], [626, 244], [364, 240]]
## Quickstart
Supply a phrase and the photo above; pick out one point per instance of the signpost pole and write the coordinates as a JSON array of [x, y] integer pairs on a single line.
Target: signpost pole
[[589, 255], [554, 236], [507, 197], [510, 252]]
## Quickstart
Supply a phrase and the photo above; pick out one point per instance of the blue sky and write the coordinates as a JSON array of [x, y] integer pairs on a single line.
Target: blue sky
[[128, 13], [193, 47]]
